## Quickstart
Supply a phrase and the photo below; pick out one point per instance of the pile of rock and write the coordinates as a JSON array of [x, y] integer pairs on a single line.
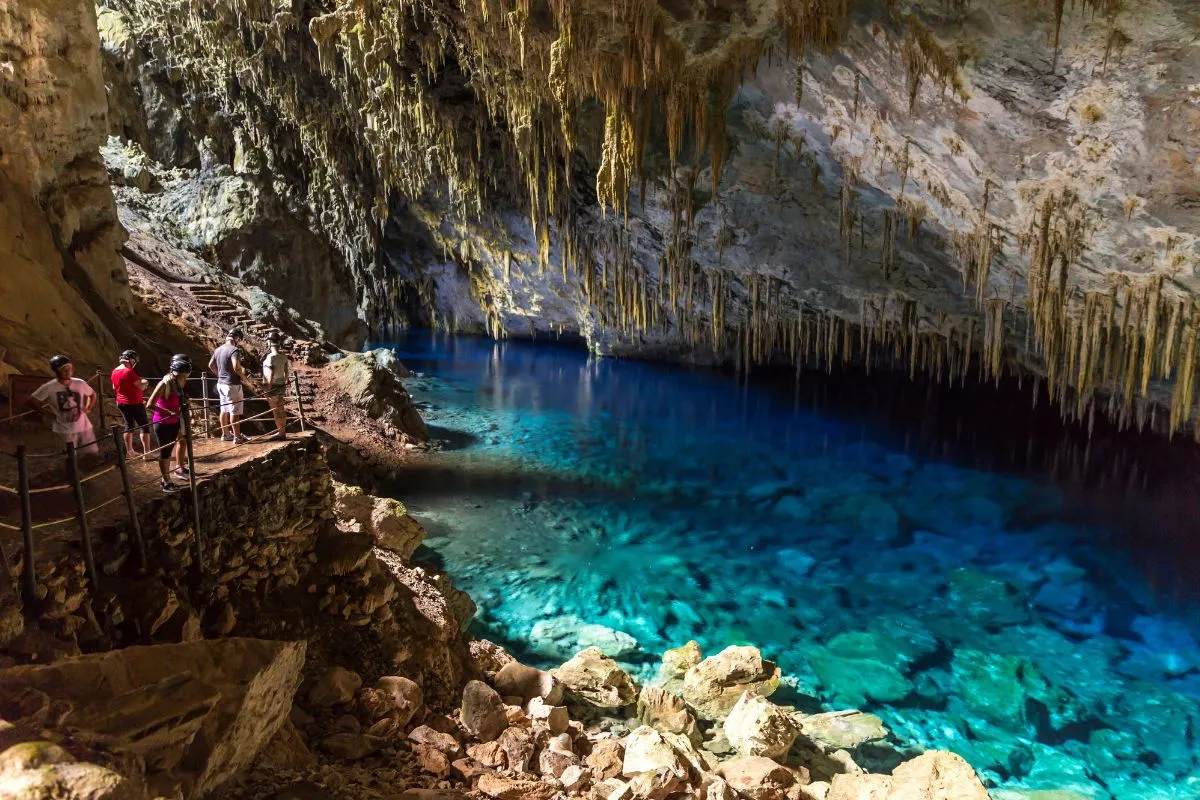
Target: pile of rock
[[706, 730]]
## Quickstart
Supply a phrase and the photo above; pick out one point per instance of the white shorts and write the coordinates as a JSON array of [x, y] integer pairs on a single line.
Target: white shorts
[[231, 398], [84, 440]]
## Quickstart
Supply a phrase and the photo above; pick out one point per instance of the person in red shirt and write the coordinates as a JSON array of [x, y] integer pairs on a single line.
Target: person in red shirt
[[128, 386]]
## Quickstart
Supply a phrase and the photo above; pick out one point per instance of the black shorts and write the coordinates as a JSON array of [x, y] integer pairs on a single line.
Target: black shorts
[[134, 415], [167, 433]]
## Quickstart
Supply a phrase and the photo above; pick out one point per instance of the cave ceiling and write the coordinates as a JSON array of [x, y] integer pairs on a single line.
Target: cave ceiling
[[960, 188]]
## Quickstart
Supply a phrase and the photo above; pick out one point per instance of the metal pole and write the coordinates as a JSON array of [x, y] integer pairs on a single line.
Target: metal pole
[[134, 522], [299, 401], [89, 559], [30, 576], [100, 403], [186, 413], [204, 388]]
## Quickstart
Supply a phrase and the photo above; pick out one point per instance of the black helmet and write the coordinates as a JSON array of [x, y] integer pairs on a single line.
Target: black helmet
[[274, 336], [235, 334], [129, 355], [180, 365], [58, 362]]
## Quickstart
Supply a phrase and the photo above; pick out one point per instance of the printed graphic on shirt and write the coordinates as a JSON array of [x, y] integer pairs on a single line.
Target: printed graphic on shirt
[[70, 405]]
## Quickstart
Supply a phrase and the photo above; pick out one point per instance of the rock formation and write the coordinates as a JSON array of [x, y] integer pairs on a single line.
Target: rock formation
[[955, 189]]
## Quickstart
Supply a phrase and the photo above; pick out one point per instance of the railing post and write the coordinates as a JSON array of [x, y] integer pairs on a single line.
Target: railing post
[[100, 402], [30, 577], [204, 390], [186, 413], [299, 400], [134, 522], [85, 534]]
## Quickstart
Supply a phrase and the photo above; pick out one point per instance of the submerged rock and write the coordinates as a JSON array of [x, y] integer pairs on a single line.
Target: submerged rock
[[595, 679], [568, 634], [842, 730], [714, 686]]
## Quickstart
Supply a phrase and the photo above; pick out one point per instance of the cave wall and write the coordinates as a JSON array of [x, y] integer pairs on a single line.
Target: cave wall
[[64, 286]]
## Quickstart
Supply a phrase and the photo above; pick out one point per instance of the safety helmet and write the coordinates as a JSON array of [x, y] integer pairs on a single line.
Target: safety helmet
[[180, 366], [274, 337], [58, 362], [129, 355], [235, 334]]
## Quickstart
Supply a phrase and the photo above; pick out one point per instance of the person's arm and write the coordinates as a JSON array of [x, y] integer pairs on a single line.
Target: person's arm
[[236, 363], [268, 373], [39, 405], [152, 401], [89, 398], [212, 364]]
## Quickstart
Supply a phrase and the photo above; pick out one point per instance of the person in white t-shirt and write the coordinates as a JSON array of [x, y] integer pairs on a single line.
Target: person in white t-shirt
[[68, 400], [275, 372]]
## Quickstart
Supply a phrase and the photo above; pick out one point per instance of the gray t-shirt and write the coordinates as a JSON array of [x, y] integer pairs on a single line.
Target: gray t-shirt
[[223, 359]]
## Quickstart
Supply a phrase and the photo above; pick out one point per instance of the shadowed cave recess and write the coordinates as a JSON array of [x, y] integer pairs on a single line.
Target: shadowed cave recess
[[864, 332]]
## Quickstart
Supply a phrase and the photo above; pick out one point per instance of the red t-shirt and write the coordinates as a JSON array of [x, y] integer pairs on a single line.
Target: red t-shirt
[[128, 385]]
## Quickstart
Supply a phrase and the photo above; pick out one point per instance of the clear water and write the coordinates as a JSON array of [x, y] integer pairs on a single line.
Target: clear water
[[638, 506]]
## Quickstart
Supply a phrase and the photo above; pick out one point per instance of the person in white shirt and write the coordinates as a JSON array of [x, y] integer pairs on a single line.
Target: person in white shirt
[[275, 373], [68, 400]]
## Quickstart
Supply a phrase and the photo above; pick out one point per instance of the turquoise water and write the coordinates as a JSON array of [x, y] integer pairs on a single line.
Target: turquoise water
[[637, 506]]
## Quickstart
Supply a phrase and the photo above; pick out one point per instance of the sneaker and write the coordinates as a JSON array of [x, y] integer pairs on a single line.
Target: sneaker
[[182, 472], [240, 439], [228, 439], [168, 487]]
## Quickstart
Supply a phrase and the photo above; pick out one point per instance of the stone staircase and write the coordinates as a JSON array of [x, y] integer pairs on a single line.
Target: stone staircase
[[218, 303]]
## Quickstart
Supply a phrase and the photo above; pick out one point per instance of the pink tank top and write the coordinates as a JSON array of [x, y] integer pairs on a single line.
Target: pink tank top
[[170, 402]]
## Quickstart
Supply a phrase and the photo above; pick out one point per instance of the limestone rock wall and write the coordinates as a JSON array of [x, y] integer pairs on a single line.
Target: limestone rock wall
[[64, 284], [276, 565]]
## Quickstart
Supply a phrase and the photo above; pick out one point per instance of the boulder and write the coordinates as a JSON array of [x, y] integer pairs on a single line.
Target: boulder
[[662, 710], [336, 687], [197, 712], [44, 771], [554, 718], [933, 775], [713, 687], [657, 785], [518, 746], [758, 727], [349, 746], [490, 755], [394, 697], [647, 751], [758, 778], [373, 382], [841, 730], [343, 552], [717, 789], [483, 711], [286, 750], [514, 679], [606, 759], [432, 760], [677, 661], [574, 778], [504, 788], [442, 742], [490, 658], [594, 679]]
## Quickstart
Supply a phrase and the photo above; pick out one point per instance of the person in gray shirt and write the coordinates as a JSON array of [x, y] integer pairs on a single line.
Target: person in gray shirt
[[226, 362]]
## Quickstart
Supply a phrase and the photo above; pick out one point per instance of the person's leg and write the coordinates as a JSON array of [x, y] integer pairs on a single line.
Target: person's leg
[[181, 456], [129, 451], [145, 442], [276, 403], [236, 410]]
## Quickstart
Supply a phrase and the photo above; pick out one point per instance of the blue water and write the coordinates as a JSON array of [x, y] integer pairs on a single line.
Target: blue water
[[639, 506]]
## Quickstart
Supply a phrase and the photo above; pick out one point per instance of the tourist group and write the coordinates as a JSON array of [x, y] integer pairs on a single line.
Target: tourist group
[[67, 401]]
